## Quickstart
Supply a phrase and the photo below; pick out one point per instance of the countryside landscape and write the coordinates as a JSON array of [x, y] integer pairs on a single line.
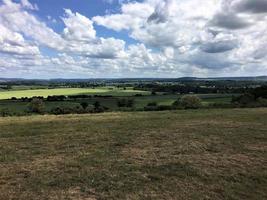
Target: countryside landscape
[[144, 99], [113, 140]]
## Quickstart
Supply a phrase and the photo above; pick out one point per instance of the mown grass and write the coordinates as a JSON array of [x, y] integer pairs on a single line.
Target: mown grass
[[192, 154]]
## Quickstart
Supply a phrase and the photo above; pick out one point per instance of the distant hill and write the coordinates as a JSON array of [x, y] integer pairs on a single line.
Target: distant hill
[[247, 78], [2, 80]]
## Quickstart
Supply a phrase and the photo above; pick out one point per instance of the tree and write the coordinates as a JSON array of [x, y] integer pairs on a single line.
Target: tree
[[96, 104], [244, 99], [153, 93], [130, 103], [152, 104], [190, 102], [84, 105], [125, 103], [260, 92], [5, 112], [37, 106]]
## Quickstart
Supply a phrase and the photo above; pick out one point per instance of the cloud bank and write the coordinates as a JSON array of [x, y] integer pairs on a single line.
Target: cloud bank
[[173, 38]]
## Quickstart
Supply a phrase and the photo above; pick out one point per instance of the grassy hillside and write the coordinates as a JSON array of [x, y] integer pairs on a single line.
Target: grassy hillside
[[198, 154]]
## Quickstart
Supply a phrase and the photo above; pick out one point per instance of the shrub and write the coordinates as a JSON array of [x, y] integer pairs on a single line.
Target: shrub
[[130, 103], [37, 106], [221, 105], [260, 92], [158, 108], [190, 102], [68, 110], [152, 104], [244, 99], [56, 98], [125, 103], [5, 112], [57, 111], [165, 107], [84, 105], [97, 105], [262, 102], [25, 99]]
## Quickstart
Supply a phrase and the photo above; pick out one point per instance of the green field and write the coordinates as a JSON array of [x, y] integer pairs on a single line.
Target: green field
[[69, 91], [19, 107], [190, 154]]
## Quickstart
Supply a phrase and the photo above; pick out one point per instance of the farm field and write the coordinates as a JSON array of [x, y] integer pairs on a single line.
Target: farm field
[[69, 91], [188, 154], [20, 107]]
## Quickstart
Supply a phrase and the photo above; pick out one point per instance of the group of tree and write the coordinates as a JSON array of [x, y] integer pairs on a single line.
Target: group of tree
[[186, 102], [56, 98], [196, 87], [252, 98], [38, 106]]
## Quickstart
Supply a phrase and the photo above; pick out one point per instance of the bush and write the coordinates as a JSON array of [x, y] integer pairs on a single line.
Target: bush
[[56, 98], [84, 105], [262, 102], [221, 105], [165, 107], [37, 106], [97, 105], [5, 112], [25, 99], [68, 110], [59, 111], [152, 104], [158, 108], [244, 99], [125, 103], [151, 108], [260, 92], [190, 102]]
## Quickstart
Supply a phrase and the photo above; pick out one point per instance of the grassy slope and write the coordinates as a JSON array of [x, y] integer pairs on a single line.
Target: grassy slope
[[201, 154], [69, 91]]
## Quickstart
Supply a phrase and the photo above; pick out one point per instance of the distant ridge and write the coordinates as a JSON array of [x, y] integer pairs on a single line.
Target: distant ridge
[[246, 78]]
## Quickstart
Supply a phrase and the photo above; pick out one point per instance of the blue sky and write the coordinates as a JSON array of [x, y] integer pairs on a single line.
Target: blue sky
[[55, 9], [127, 38]]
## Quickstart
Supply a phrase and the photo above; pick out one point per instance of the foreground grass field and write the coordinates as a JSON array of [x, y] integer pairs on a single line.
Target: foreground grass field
[[199, 154], [69, 91]]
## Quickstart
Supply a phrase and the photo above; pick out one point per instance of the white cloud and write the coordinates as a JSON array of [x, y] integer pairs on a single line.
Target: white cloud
[[19, 20], [207, 34], [175, 38], [78, 27], [14, 43]]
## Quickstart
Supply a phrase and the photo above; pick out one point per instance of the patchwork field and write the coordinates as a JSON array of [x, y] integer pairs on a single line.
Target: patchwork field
[[191, 154], [69, 91], [20, 107]]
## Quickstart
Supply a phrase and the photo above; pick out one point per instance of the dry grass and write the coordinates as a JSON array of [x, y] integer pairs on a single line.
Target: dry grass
[[202, 154]]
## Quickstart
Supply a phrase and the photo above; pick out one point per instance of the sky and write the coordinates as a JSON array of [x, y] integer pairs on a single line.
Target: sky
[[132, 39]]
